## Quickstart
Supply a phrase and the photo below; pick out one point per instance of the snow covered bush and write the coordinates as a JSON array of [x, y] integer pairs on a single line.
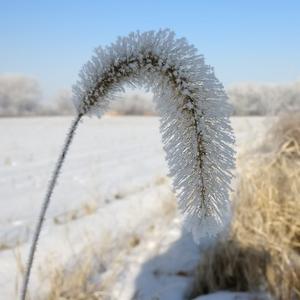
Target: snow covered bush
[[194, 112]]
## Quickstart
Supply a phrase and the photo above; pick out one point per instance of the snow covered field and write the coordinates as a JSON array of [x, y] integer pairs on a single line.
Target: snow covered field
[[113, 185]]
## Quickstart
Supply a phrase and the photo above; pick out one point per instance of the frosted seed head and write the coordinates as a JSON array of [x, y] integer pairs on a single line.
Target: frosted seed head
[[194, 113]]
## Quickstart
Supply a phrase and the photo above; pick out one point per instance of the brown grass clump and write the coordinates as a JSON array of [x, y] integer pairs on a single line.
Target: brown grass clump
[[80, 280], [262, 249]]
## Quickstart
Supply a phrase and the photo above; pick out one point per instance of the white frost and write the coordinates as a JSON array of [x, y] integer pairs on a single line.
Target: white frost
[[195, 125]]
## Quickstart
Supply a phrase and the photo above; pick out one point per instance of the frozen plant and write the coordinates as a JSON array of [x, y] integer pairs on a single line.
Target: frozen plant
[[195, 125]]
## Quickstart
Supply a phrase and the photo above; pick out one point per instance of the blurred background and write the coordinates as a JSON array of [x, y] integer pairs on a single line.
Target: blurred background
[[254, 47], [113, 230]]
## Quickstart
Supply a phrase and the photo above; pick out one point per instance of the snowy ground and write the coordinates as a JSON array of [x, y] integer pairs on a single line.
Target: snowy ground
[[114, 185]]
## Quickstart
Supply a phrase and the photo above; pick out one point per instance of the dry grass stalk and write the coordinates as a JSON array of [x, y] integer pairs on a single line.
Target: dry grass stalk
[[262, 251], [76, 281], [194, 123]]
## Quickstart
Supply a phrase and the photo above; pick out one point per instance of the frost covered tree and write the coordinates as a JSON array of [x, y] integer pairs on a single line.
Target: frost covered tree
[[19, 95], [63, 102], [194, 121], [133, 103], [264, 99]]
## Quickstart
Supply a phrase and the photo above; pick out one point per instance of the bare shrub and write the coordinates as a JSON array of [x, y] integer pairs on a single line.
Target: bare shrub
[[262, 251]]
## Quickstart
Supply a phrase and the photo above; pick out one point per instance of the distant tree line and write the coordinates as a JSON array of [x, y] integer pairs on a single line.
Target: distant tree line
[[262, 99], [22, 96]]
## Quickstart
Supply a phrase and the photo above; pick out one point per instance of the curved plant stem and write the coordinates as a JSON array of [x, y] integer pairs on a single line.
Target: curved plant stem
[[46, 202]]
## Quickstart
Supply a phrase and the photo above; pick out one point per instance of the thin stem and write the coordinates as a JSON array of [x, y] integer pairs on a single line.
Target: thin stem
[[46, 202]]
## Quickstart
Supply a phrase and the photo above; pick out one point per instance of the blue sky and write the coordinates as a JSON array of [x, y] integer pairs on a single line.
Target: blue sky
[[254, 40]]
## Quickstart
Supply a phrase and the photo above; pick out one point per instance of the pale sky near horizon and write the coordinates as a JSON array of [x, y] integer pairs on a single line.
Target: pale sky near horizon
[[257, 40]]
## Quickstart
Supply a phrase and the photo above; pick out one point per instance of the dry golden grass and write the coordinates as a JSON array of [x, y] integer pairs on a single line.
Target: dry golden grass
[[262, 249], [76, 281], [87, 208]]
